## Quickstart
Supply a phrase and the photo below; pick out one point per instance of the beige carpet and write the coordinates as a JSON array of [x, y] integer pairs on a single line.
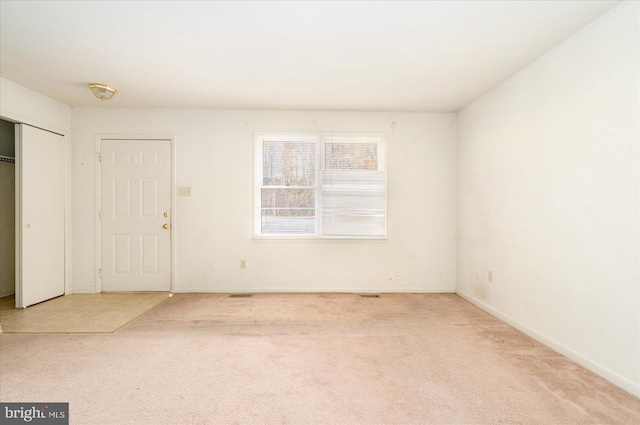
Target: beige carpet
[[309, 359], [78, 313]]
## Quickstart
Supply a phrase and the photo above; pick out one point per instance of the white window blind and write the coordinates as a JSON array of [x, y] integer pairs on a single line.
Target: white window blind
[[320, 185], [354, 187]]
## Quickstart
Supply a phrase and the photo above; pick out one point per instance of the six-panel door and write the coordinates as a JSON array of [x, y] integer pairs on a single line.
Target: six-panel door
[[136, 216]]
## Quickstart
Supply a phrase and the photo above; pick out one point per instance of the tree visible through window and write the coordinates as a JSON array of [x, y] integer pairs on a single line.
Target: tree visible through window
[[320, 185], [288, 192], [351, 156]]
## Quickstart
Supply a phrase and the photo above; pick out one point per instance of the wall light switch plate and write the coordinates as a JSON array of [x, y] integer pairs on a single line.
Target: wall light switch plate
[[184, 191]]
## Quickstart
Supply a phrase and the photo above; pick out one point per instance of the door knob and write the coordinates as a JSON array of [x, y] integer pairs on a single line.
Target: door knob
[[165, 226]]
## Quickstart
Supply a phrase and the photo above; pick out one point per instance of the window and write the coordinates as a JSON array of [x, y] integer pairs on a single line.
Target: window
[[320, 185]]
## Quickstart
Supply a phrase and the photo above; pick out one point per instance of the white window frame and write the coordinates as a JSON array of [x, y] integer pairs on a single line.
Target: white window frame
[[319, 139]]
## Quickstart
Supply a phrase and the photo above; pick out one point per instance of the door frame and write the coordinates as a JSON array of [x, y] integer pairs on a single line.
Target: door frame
[[172, 165]]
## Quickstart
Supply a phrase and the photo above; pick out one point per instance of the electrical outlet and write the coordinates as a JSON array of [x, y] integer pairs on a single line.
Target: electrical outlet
[[243, 264], [490, 277], [397, 272]]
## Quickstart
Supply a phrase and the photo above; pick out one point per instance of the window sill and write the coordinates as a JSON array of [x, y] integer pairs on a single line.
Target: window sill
[[298, 238]]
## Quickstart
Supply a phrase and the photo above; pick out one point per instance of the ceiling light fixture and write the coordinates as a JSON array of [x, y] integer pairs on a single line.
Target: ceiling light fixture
[[102, 91]]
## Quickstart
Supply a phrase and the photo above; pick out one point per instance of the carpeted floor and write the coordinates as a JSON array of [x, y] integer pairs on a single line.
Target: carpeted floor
[[309, 359]]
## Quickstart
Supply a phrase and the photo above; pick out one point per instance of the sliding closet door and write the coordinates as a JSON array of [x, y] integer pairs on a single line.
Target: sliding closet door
[[40, 216]]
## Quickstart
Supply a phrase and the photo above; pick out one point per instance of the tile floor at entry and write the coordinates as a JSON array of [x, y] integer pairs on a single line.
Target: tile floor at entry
[[78, 313]]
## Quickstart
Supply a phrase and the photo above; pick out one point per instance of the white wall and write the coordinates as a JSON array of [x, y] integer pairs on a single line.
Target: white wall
[[548, 198], [20, 104], [23, 105], [214, 155]]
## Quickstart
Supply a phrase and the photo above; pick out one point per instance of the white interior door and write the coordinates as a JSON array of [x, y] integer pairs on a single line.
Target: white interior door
[[40, 169], [135, 181]]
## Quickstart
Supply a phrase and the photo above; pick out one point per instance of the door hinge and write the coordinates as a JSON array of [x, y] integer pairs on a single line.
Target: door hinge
[[99, 215], [100, 157], [100, 272]]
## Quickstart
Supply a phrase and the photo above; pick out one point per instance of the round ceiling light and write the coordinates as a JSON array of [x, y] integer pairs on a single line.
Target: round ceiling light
[[102, 91]]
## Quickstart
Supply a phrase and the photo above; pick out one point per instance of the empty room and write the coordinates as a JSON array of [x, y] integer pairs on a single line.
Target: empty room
[[361, 212]]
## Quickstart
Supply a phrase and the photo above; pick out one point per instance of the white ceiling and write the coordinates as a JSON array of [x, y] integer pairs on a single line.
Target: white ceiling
[[365, 56]]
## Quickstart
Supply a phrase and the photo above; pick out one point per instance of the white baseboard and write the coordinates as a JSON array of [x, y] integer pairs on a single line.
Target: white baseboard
[[83, 290], [235, 289], [587, 363]]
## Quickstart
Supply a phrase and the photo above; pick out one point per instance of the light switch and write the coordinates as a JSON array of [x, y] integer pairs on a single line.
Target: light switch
[[184, 191]]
